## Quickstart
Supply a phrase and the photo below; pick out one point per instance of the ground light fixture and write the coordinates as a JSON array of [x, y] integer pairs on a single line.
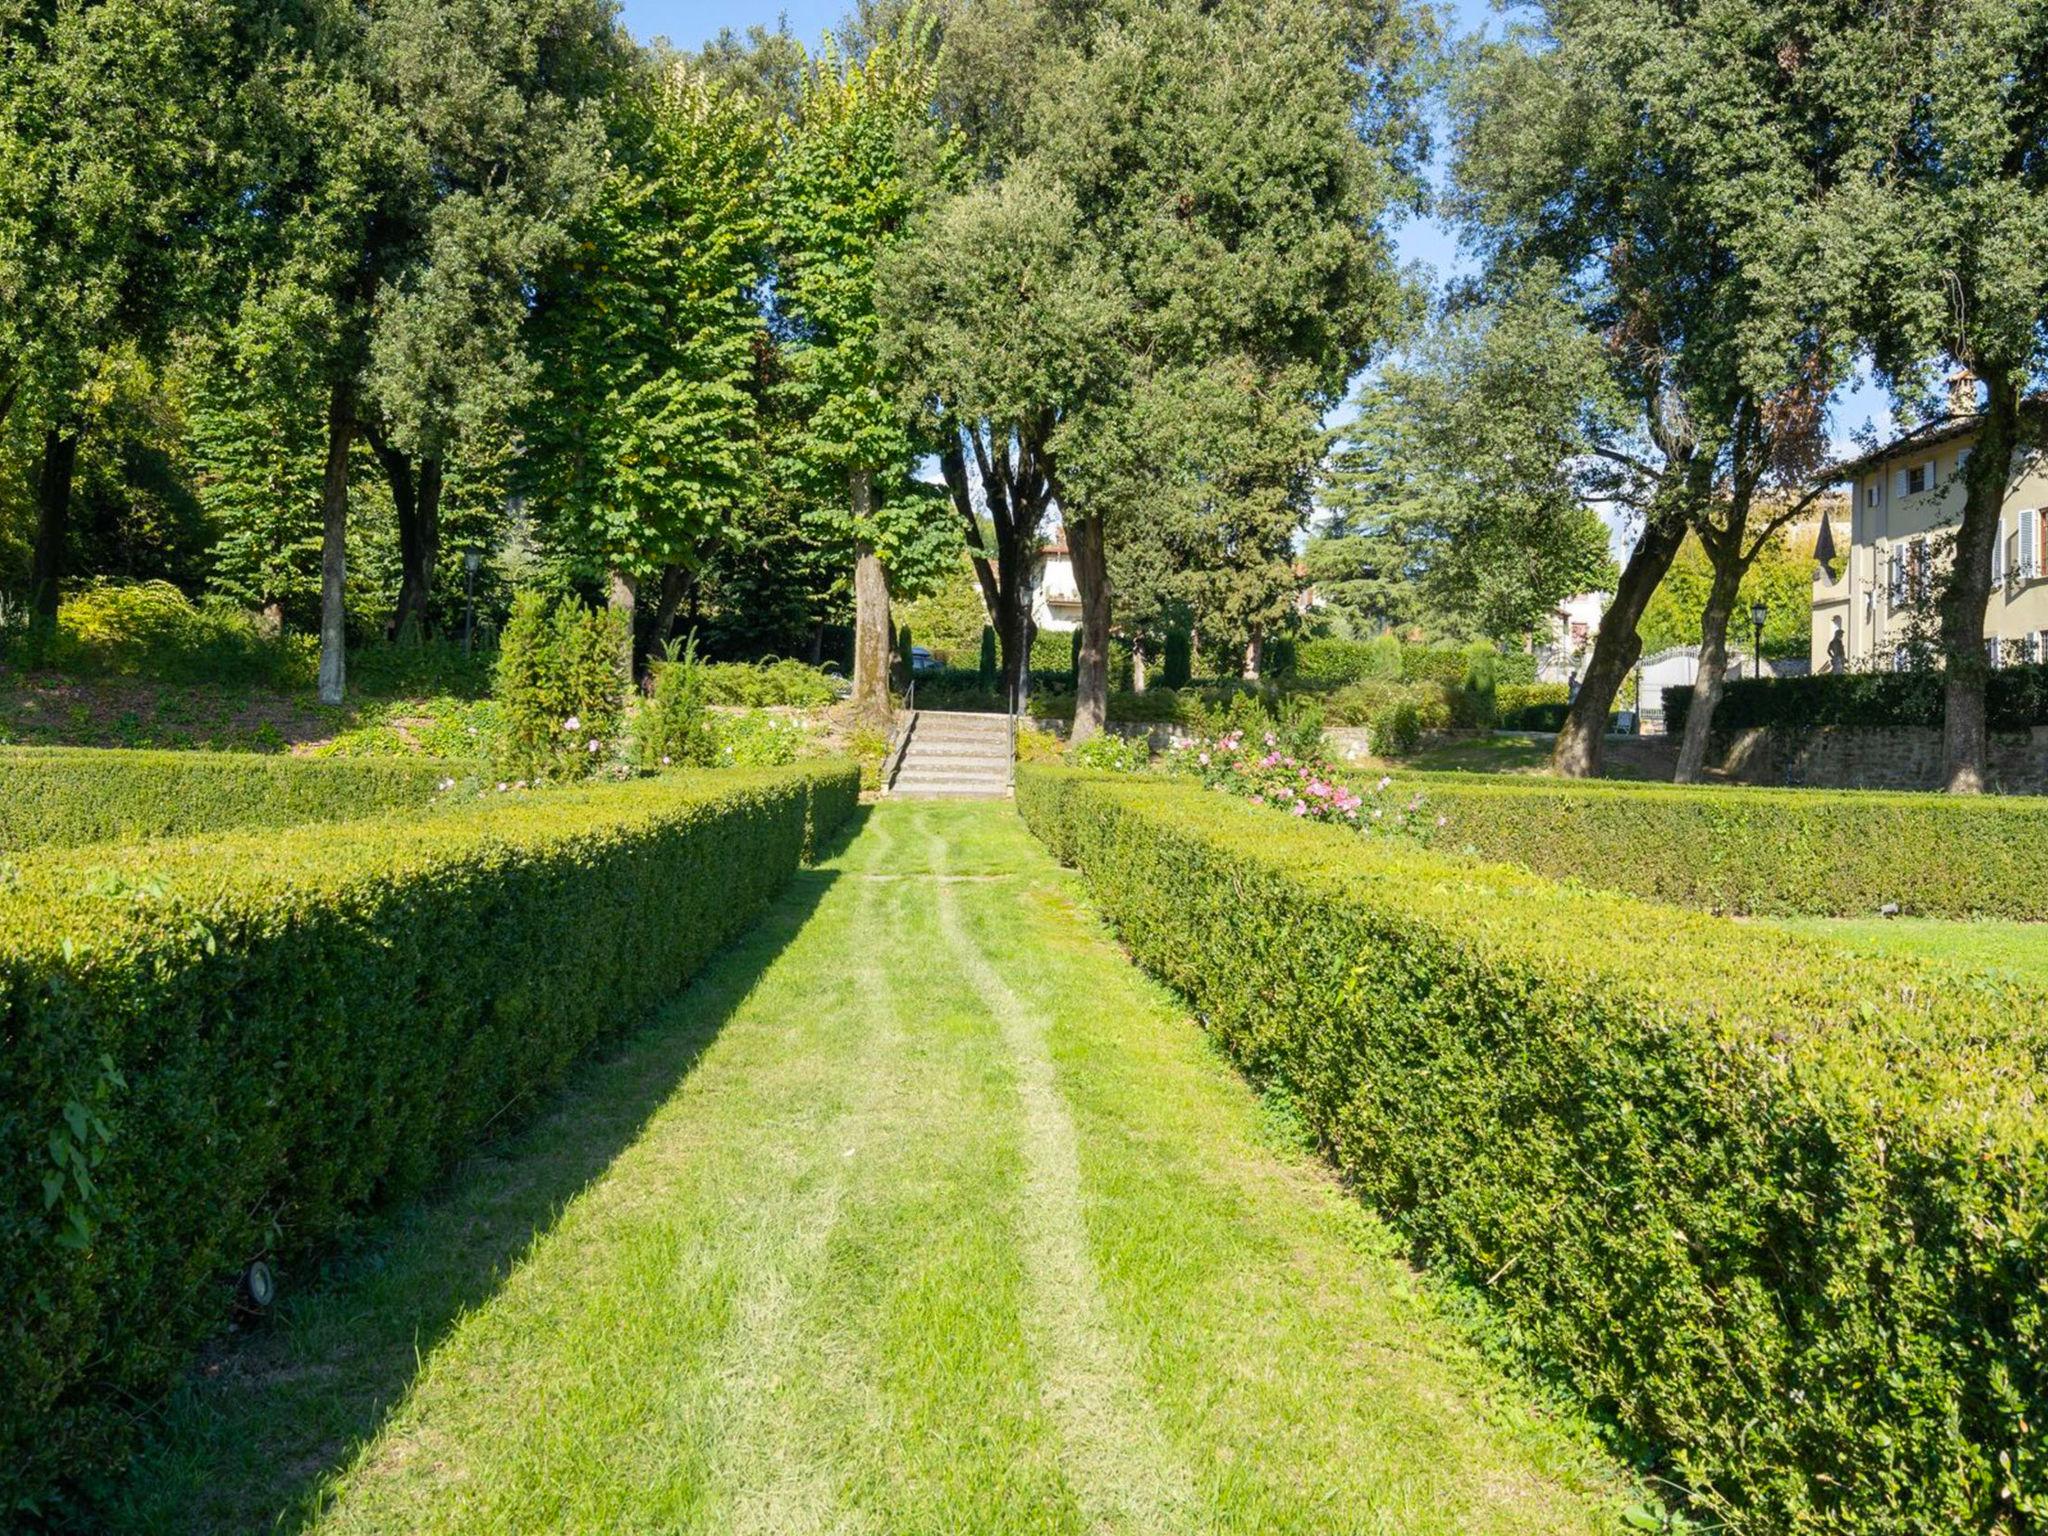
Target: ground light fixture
[[259, 1286], [1758, 612]]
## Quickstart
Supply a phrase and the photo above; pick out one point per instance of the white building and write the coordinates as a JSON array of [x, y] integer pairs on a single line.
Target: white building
[[1055, 595], [1574, 626]]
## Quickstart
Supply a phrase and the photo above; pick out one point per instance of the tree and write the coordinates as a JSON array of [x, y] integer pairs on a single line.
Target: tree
[[1183, 226], [113, 134], [864, 155], [1459, 501], [642, 439], [1674, 161], [1945, 244]]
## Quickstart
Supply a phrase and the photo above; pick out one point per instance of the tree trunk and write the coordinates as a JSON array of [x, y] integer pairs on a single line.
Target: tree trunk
[[1137, 664], [53, 521], [1722, 592], [1091, 677], [666, 607], [419, 549], [1254, 654], [871, 637], [622, 600], [1969, 586], [341, 431], [1580, 744], [818, 643]]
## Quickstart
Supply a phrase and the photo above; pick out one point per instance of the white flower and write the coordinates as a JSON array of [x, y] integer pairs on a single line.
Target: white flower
[[590, 745], [664, 759], [572, 724], [447, 784], [501, 789]]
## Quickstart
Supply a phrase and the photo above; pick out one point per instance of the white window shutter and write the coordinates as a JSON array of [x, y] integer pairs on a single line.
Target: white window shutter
[[1898, 482], [1998, 555], [2026, 571]]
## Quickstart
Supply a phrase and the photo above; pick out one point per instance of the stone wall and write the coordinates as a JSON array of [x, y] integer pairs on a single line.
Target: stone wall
[[1905, 757]]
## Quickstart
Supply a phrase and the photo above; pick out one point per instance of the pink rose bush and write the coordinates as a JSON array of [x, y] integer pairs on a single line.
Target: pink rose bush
[[1309, 788]]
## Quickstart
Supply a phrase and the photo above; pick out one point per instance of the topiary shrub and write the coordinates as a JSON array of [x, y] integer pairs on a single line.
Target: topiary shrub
[[559, 687], [1173, 669], [985, 671], [226, 1048], [1776, 1210]]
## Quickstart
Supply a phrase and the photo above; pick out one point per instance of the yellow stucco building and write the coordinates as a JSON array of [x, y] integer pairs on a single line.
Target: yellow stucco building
[[1905, 502]]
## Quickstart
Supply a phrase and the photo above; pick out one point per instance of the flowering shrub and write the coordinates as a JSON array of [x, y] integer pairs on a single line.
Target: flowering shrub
[[757, 739], [673, 730], [1264, 772], [1107, 752]]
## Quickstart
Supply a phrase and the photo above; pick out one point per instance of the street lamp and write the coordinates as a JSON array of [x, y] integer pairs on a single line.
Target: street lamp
[[1758, 612], [471, 559]]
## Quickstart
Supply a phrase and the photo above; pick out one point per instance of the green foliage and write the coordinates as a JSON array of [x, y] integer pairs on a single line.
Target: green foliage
[[1395, 729], [268, 1031], [1174, 671], [1781, 851], [152, 630], [1673, 1160], [1108, 752], [63, 796], [1329, 663], [1458, 502], [1781, 578], [672, 728], [759, 739], [642, 432], [560, 689], [2015, 699], [765, 683]]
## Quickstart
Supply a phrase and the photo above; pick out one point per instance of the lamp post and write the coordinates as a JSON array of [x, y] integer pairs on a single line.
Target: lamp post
[[471, 559], [1758, 612]]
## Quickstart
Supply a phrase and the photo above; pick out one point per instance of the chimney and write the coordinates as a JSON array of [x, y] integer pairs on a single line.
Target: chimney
[[1962, 393]]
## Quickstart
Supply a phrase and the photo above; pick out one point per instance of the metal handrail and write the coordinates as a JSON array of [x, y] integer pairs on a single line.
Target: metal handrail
[[892, 760]]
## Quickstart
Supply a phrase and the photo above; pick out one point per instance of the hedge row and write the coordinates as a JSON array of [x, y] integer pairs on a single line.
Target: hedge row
[[214, 1050], [63, 796], [1771, 851], [1780, 1215], [2015, 699]]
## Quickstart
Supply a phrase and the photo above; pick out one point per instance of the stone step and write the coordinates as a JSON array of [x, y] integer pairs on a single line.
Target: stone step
[[950, 749], [914, 780], [924, 732], [951, 791]]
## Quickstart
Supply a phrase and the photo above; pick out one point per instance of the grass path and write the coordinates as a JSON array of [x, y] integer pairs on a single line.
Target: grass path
[[922, 1211]]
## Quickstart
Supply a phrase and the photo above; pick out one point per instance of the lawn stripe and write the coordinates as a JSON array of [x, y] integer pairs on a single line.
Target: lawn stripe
[[1112, 1446]]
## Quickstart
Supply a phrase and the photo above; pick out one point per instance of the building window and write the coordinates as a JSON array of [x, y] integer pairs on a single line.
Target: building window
[[1916, 479], [1901, 661], [1895, 577], [1916, 584], [1870, 494], [1991, 650], [2037, 646]]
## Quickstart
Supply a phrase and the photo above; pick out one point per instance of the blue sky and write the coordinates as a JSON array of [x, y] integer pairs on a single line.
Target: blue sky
[[689, 23]]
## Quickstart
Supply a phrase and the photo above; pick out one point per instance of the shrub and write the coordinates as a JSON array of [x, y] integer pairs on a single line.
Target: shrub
[[986, 672], [767, 684], [1531, 706], [560, 688], [1534, 717], [1777, 1213], [2015, 699], [63, 796], [1329, 663], [1036, 746], [1174, 667], [673, 729], [1107, 752], [225, 1049], [757, 739], [421, 669], [150, 629], [1736, 849], [1396, 728]]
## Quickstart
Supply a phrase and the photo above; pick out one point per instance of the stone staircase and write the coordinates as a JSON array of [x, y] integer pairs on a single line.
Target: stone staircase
[[951, 753]]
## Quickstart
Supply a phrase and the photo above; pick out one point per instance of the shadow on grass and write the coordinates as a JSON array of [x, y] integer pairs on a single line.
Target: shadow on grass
[[270, 1414]]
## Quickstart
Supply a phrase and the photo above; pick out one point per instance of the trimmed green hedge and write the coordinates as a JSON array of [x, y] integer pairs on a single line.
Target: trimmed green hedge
[[2015, 699], [53, 797], [1731, 848], [1780, 1213], [212, 1050]]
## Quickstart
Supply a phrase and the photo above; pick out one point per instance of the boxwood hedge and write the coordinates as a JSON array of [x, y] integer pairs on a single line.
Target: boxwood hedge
[[221, 1049], [1780, 1214], [2015, 699], [1751, 850], [63, 796]]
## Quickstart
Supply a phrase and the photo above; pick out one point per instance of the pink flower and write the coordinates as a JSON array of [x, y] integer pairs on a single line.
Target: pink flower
[[1384, 782], [1256, 799], [1205, 759], [1300, 809]]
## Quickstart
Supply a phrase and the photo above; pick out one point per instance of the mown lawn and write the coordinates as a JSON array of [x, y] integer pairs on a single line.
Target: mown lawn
[[921, 1212], [2015, 949]]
